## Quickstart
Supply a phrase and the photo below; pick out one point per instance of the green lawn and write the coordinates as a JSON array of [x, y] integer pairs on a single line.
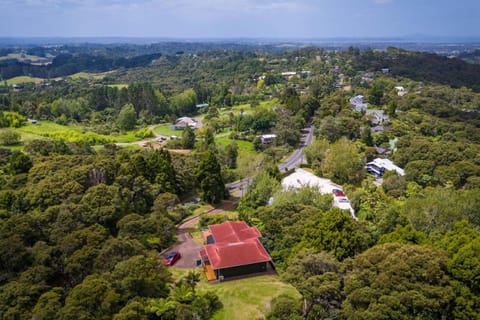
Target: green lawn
[[244, 147], [247, 107], [242, 299], [248, 298], [164, 130]]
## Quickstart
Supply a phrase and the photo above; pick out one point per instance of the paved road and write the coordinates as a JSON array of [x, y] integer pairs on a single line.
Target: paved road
[[297, 156], [293, 161]]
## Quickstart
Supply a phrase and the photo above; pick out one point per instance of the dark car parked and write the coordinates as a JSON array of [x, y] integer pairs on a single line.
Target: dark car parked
[[171, 258]]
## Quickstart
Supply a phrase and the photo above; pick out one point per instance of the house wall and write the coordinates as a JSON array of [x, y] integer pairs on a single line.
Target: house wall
[[242, 270]]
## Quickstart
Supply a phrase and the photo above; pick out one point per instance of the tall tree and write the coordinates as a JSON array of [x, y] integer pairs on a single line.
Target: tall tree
[[231, 151], [184, 103], [209, 177], [188, 138], [315, 276], [343, 162], [127, 118]]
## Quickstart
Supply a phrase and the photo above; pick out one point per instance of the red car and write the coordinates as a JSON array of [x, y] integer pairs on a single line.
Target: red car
[[171, 258], [339, 193]]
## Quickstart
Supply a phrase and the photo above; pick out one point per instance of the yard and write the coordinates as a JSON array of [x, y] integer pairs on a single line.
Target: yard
[[247, 298], [164, 130]]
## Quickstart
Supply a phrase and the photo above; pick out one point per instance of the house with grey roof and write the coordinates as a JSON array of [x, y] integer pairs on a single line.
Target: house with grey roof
[[358, 103], [376, 117]]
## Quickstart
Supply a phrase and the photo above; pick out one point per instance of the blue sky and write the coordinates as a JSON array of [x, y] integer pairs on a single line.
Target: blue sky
[[239, 18]]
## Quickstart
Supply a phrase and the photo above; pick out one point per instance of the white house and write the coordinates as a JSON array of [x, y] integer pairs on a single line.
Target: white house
[[182, 122], [378, 166], [267, 138], [289, 74], [301, 178], [358, 103], [400, 91]]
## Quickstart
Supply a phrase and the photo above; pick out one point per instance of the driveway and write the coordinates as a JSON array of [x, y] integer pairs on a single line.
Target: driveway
[[187, 247]]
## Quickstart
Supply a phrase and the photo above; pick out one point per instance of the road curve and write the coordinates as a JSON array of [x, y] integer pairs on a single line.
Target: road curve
[[293, 161]]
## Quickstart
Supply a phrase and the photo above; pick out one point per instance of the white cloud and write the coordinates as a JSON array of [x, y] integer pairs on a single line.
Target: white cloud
[[174, 5], [231, 5]]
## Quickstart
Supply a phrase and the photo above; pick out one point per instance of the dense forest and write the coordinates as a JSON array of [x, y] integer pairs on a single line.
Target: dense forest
[[83, 217]]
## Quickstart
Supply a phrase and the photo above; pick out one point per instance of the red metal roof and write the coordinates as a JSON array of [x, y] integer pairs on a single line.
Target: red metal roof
[[233, 231], [227, 255], [236, 244]]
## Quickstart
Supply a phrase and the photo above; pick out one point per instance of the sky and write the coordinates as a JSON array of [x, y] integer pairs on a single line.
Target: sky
[[239, 18]]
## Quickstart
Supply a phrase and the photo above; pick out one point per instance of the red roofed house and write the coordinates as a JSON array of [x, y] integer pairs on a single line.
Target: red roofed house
[[233, 249]]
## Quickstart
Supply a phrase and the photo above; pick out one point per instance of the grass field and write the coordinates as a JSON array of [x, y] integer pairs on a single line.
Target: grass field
[[164, 130], [80, 75], [244, 147], [118, 85], [23, 57], [23, 79], [242, 299], [70, 133], [88, 75]]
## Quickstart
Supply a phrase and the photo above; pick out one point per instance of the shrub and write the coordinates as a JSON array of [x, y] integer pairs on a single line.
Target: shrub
[[9, 137], [144, 133]]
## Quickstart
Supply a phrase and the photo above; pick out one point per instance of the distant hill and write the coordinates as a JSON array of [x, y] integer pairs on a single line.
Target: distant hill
[[421, 66], [67, 64]]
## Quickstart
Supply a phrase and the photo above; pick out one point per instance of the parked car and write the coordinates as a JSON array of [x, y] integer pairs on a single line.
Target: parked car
[[171, 258]]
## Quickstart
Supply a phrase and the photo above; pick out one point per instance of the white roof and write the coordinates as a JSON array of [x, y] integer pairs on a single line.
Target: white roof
[[344, 204], [301, 178], [388, 165], [186, 120], [269, 136]]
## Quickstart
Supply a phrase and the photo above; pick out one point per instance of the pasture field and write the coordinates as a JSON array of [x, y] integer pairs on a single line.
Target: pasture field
[[71, 133], [88, 75], [23, 57], [23, 79]]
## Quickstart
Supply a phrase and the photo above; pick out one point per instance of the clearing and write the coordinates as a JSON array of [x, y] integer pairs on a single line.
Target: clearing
[[247, 298]]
